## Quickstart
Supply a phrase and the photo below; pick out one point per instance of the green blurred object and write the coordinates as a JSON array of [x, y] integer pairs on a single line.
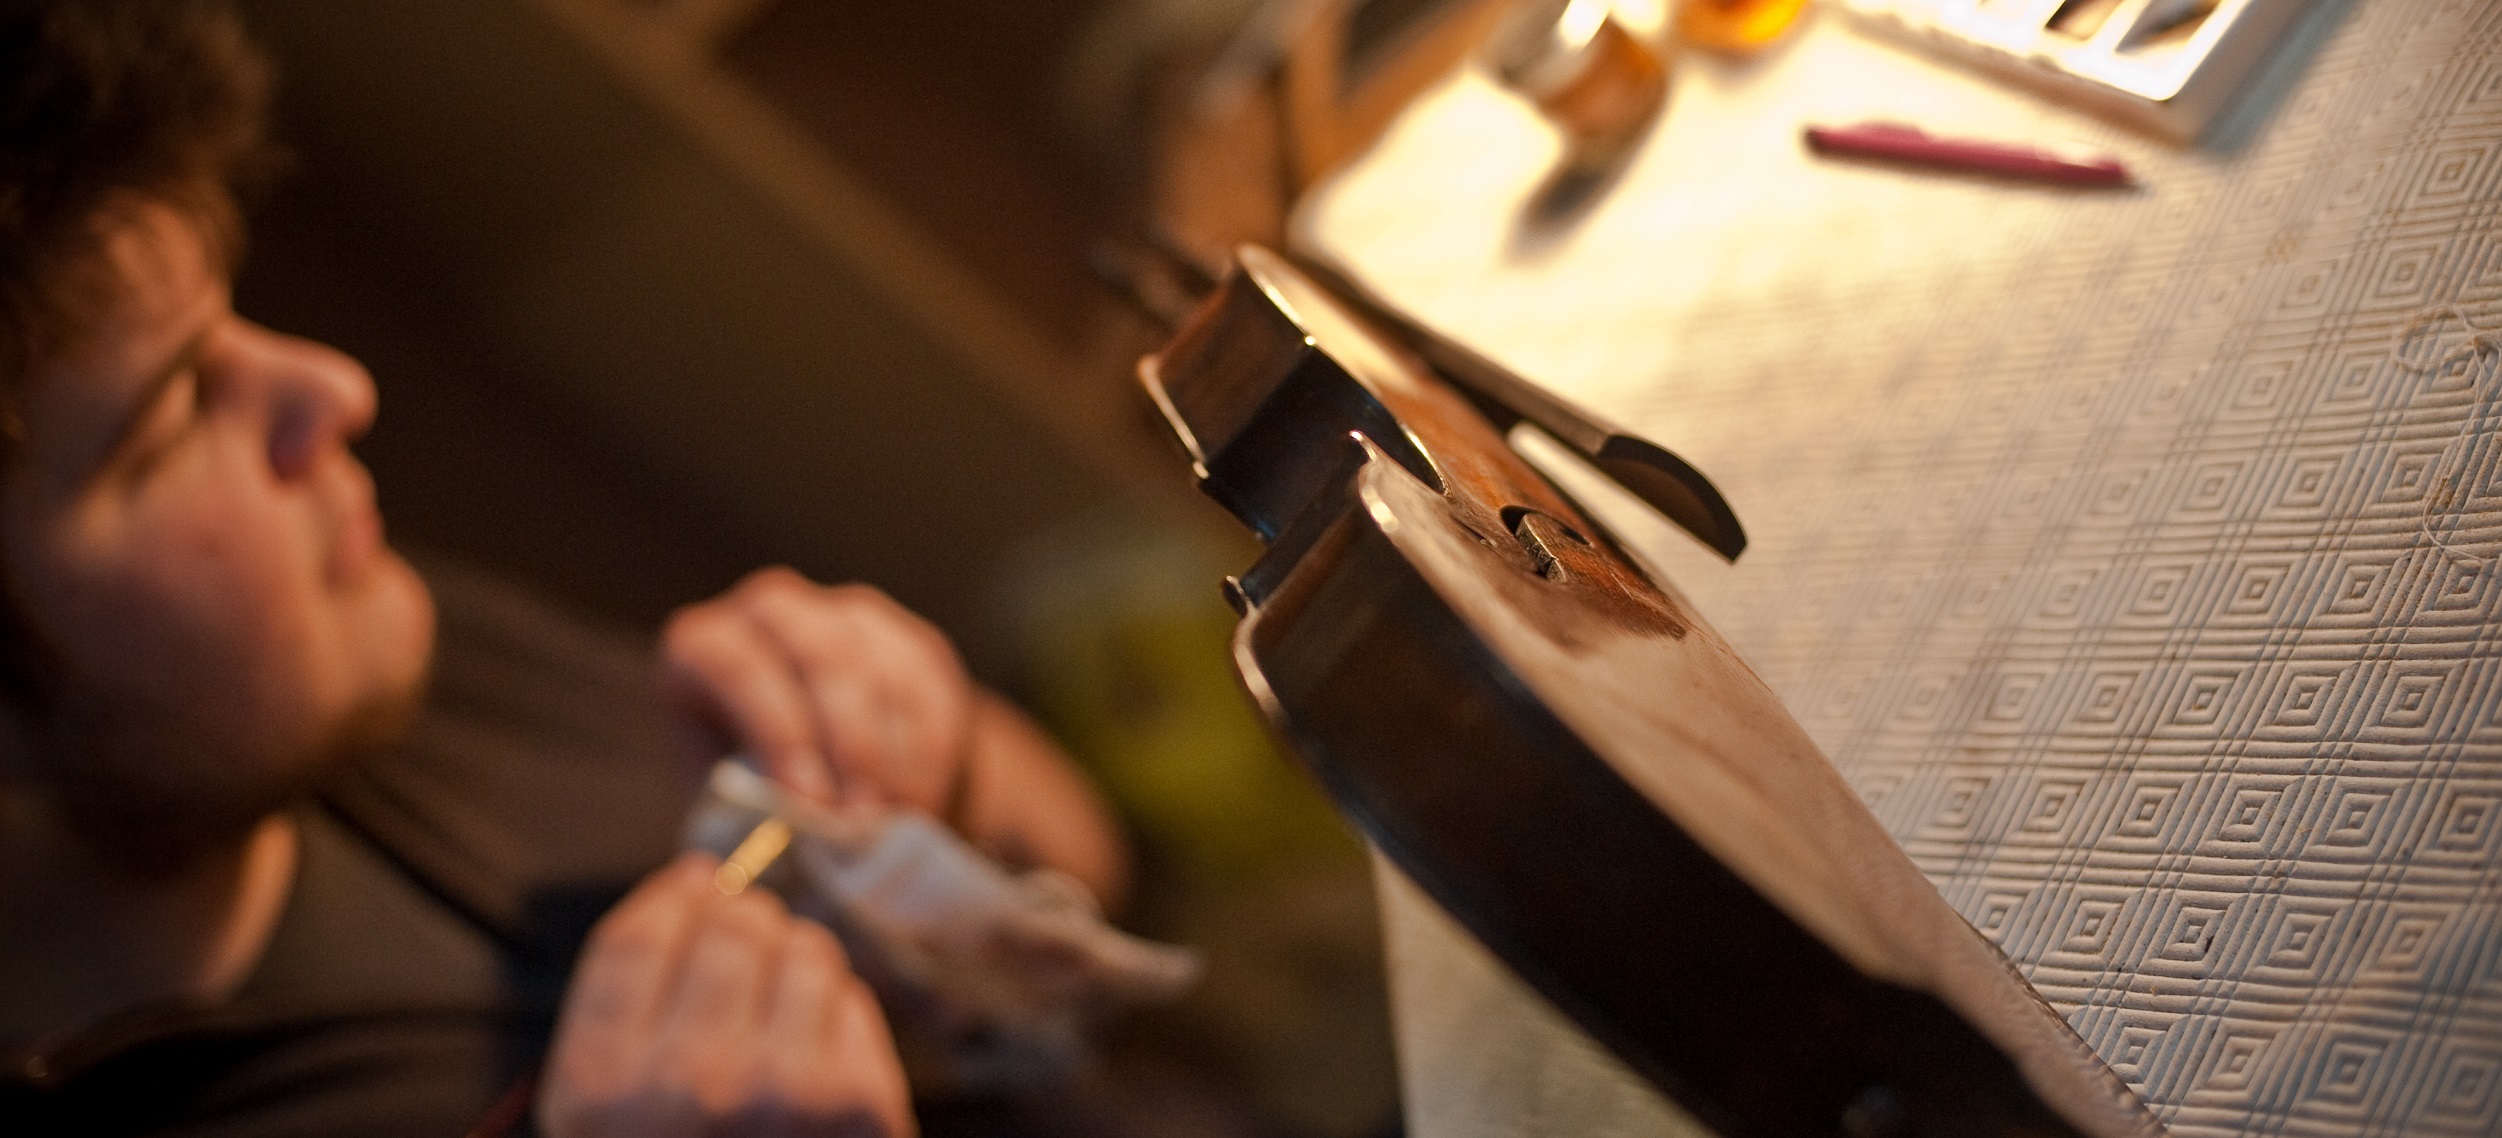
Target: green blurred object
[[1126, 646], [1125, 654]]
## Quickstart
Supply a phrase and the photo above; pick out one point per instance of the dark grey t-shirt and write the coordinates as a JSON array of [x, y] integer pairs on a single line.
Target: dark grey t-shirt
[[443, 889]]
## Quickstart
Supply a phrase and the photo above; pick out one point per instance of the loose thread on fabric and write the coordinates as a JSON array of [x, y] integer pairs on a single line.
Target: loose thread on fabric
[[2444, 491]]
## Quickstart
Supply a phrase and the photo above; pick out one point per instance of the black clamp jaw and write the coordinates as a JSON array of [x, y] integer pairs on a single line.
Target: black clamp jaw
[[1168, 287]]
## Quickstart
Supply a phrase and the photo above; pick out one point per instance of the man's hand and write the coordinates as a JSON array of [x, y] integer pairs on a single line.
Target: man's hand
[[692, 1013], [840, 692], [843, 695]]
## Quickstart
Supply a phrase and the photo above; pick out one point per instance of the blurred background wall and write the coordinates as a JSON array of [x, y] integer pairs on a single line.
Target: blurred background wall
[[651, 302]]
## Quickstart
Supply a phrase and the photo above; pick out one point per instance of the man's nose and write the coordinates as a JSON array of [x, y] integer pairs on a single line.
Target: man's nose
[[319, 399]]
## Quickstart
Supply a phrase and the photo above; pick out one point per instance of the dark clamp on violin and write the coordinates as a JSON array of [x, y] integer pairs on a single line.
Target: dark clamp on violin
[[1566, 758]]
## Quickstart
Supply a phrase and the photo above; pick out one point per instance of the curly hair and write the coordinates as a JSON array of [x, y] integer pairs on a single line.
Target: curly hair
[[102, 101]]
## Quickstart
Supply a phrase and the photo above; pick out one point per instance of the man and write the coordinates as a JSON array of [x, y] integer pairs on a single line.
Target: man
[[218, 914]]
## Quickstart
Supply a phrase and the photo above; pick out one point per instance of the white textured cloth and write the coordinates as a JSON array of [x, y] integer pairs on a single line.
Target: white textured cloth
[[2135, 555], [988, 978]]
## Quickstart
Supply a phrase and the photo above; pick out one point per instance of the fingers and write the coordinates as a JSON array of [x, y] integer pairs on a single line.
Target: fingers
[[803, 998], [838, 690], [828, 1041], [719, 669], [863, 1077], [695, 1013], [1027, 805], [707, 1038], [891, 697], [617, 989]]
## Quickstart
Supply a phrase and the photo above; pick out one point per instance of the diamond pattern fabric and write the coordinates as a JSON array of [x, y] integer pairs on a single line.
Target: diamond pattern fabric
[[2137, 556]]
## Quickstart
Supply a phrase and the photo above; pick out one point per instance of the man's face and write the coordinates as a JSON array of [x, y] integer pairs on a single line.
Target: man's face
[[193, 543]]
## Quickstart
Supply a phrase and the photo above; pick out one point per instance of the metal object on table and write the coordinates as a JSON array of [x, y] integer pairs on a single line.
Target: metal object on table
[[1582, 70], [1577, 767], [1736, 25], [2169, 65]]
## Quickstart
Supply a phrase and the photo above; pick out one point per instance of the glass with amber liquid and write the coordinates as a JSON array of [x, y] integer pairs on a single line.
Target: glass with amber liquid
[[1735, 25]]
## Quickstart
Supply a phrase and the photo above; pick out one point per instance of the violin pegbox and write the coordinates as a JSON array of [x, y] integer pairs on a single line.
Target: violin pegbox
[[1280, 394]]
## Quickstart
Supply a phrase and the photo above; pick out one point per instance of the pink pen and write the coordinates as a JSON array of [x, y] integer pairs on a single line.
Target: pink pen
[[1895, 142]]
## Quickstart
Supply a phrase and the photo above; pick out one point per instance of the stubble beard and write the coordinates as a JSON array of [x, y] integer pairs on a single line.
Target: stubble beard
[[150, 797]]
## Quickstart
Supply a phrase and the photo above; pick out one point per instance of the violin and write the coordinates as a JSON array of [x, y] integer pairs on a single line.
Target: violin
[[1565, 756]]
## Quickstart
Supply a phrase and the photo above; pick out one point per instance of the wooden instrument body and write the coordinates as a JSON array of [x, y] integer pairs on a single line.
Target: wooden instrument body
[[1576, 766]]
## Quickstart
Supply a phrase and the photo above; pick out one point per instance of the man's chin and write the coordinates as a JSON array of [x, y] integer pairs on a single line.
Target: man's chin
[[393, 613], [154, 788], [378, 723], [151, 818]]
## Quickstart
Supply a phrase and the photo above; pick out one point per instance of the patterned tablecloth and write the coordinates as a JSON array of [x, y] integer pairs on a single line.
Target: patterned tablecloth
[[2134, 554]]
